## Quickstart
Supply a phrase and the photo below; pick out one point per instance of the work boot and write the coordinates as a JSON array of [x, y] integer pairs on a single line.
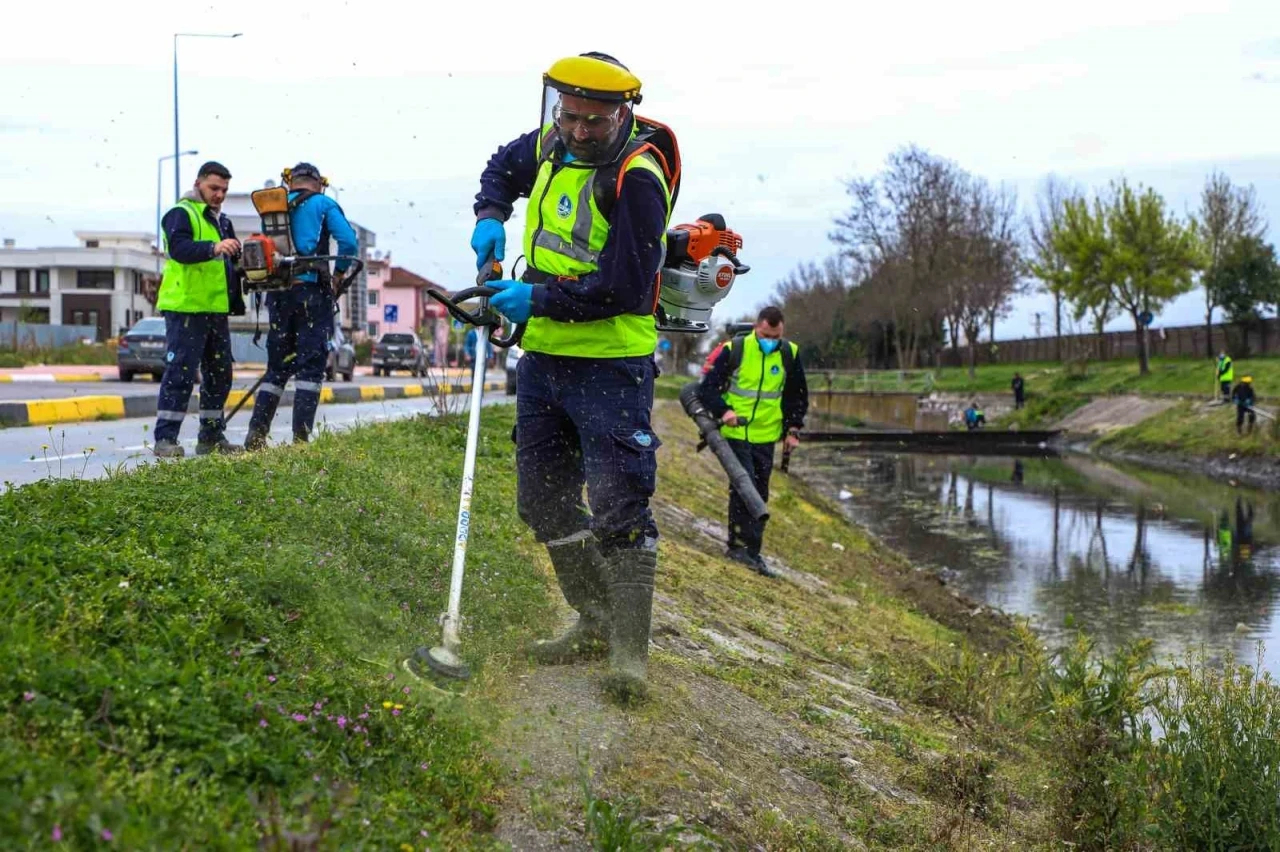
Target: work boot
[[167, 448], [301, 437], [221, 446], [580, 571], [255, 440], [630, 575], [762, 567]]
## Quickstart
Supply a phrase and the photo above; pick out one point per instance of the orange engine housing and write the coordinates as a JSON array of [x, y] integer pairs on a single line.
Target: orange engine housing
[[693, 242], [258, 257]]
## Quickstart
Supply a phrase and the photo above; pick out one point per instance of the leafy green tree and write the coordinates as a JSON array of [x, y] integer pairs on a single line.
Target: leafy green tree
[[1128, 252], [1246, 279], [1227, 213], [1153, 256]]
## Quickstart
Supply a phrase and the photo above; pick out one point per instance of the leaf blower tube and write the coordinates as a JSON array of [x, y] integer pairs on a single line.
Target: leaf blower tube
[[709, 428]]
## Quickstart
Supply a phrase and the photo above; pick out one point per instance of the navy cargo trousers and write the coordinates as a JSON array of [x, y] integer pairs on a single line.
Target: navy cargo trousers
[[297, 347], [585, 421], [194, 343]]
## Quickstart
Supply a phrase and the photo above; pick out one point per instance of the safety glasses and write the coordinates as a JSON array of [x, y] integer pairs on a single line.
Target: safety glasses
[[571, 120]]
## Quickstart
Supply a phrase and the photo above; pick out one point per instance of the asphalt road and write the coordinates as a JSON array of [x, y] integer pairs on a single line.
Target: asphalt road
[[89, 450], [146, 387]]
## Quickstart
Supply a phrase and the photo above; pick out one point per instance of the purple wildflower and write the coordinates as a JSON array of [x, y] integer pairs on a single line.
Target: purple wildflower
[[395, 712], [56, 834], [107, 835], [262, 723], [28, 696], [298, 717], [405, 690], [271, 678], [342, 722]]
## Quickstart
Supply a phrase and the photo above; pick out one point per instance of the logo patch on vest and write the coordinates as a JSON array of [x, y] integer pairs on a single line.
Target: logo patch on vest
[[564, 207], [642, 438], [775, 369]]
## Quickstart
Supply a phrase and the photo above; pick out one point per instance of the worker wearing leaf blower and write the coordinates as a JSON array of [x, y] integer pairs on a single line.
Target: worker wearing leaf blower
[[1244, 398], [757, 388], [600, 182], [301, 317], [198, 290]]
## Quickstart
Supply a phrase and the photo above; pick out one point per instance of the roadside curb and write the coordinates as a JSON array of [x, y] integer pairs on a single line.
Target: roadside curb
[[80, 409], [18, 378]]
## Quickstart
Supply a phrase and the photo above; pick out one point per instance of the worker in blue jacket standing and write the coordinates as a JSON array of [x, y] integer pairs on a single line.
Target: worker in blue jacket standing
[[301, 317]]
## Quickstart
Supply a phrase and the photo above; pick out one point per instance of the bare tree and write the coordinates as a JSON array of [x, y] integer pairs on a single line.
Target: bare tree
[[816, 301], [1227, 213], [1044, 261], [986, 267], [900, 231]]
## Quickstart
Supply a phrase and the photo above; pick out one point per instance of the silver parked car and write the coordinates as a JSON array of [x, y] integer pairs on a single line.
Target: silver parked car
[[513, 361], [342, 357]]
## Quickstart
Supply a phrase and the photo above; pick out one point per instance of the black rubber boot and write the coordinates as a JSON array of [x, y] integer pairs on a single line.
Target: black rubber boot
[[580, 571], [256, 439], [630, 576], [221, 446]]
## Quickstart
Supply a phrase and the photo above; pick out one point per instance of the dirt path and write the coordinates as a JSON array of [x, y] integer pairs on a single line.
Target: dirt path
[[1110, 413]]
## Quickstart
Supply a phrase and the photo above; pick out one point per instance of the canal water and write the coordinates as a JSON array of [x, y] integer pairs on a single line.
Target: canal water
[[1074, 543]]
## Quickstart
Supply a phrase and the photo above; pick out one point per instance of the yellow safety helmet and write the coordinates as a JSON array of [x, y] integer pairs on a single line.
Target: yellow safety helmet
[[597, 76], [1248, 379], [303, 170]]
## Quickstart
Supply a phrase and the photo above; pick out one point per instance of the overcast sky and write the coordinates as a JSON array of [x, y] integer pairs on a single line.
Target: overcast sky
[[773, 111]]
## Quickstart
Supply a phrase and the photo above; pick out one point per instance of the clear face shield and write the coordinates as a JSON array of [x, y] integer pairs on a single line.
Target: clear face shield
[[589, 128]]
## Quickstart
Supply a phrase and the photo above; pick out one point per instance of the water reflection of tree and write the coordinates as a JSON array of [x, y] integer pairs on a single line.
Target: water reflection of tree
[[1098, 537], [1141, 558]]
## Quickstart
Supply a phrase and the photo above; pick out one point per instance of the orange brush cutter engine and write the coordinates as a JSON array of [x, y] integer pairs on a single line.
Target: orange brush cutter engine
[[700, 268]]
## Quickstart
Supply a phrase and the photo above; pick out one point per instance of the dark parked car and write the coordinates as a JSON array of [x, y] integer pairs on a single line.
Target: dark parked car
[[142, 350], [399, 351]]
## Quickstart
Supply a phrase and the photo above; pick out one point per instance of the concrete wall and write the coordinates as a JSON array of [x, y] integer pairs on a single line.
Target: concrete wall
[[935, 411], [1173, 342], [21, 335]]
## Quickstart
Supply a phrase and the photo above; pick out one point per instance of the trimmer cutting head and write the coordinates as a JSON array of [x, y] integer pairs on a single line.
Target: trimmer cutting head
[[439, 660]]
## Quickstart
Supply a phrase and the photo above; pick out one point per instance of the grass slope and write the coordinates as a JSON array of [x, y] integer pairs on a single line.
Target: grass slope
[[198, 652]]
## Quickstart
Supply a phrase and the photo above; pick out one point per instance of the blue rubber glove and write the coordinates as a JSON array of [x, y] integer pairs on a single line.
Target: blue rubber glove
[[488, 241], [515, 302]]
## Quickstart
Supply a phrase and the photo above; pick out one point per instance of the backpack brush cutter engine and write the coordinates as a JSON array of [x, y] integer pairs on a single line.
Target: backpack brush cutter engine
[[698, 272], [270, 261]]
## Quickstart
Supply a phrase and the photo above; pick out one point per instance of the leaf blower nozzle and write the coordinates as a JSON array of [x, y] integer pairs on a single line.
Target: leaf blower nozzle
[[709, 429]]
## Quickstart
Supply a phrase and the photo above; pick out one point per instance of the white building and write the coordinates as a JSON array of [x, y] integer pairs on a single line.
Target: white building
[[238, 207], [104, 281]]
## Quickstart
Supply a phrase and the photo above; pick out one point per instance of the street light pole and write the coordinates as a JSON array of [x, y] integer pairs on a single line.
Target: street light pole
[[177, 176]]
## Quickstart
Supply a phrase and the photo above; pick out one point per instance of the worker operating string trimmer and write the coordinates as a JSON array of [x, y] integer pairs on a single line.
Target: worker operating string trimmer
[[604, 276]]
